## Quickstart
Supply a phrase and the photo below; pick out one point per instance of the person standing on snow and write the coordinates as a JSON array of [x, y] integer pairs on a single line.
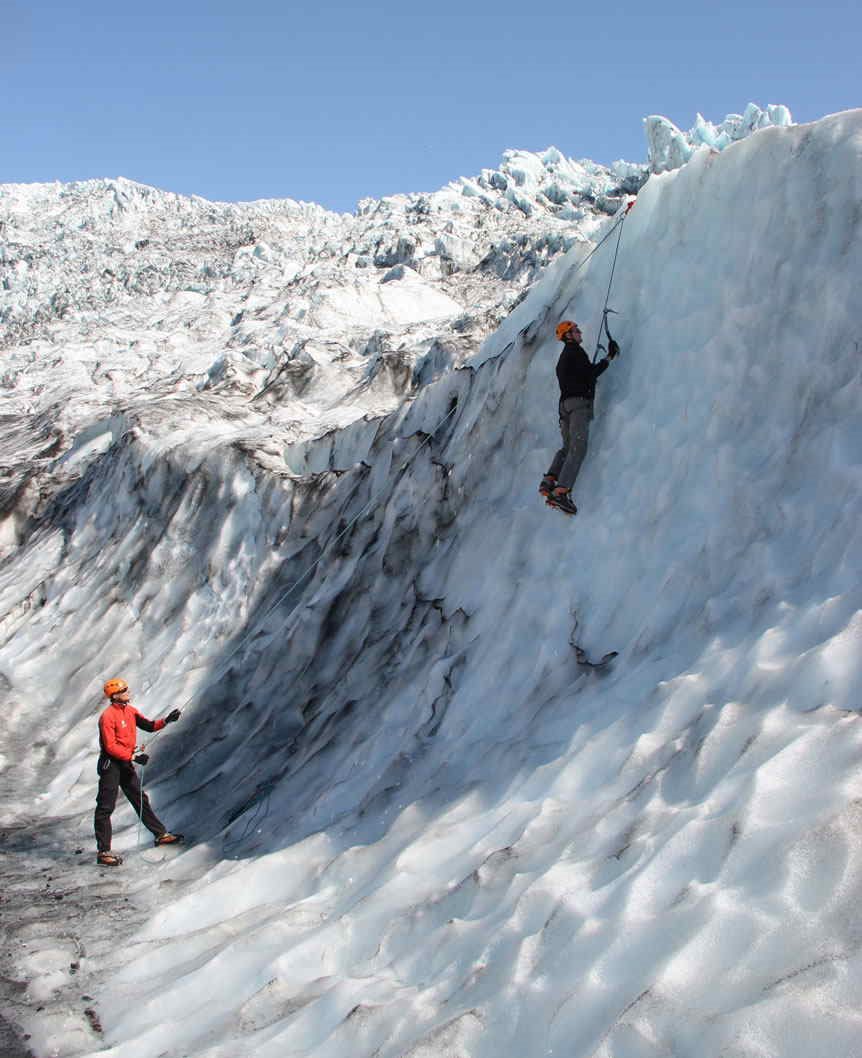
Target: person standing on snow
[[577, 377], [118, 726]]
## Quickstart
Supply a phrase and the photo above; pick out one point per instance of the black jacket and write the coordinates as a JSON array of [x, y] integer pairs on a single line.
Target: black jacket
[[576, 374]]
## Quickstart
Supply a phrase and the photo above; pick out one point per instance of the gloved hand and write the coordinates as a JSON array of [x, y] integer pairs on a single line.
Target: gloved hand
[[613, 349], [173, 716], [142, 758]]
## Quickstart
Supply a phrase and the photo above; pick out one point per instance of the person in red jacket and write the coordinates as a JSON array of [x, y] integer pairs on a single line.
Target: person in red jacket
[[118, 726]]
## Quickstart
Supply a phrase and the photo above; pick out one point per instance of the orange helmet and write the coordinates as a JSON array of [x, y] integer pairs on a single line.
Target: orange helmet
[[113, 687], [564, 327]]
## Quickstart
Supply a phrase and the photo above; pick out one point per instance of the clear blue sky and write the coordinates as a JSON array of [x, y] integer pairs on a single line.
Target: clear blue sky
[[332, 103]]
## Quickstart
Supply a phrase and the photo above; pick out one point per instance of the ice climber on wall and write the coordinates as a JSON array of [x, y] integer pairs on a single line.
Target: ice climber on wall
[[577, 377], [118, 726]]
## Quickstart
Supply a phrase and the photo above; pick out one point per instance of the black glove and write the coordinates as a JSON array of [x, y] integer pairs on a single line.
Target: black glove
[[173, 716], [142, 758], [613, 349]]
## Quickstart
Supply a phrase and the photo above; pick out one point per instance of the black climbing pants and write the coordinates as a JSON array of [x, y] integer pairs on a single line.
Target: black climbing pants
[[117, 775]]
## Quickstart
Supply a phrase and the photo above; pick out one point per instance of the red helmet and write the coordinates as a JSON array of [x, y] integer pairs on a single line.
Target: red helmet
[[115, 687], [564, 327]]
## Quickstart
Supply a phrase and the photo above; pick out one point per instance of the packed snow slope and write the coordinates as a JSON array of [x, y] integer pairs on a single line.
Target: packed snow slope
[[420, 827]]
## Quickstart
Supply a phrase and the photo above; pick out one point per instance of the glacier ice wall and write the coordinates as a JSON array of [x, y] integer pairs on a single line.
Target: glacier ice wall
[[421, 827]]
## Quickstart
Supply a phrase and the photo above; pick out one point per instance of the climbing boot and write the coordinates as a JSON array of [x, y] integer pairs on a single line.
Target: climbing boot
[[168, 839], [546, 485], [562, 500], [108, 859]]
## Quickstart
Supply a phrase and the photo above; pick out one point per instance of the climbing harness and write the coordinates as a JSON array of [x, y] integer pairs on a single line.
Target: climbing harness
[[606, 310]]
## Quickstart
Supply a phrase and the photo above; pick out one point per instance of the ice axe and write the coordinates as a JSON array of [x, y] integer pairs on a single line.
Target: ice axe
[[612, 345]]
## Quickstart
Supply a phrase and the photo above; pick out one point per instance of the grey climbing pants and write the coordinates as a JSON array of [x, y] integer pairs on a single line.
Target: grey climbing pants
[[575, 416]]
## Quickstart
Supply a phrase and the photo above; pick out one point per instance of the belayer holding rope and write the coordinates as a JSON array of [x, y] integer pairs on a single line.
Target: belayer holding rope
[[577, 376], [118, 726]]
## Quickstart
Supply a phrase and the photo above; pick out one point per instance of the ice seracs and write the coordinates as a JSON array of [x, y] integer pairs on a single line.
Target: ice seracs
[[126, 288], [669, 148]]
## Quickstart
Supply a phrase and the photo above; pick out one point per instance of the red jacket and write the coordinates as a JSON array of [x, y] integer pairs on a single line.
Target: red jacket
[[118, 730]]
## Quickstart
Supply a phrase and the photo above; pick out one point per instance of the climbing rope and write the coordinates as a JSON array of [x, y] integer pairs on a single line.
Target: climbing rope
[[606, 310], [261, 797], [140, 805], [617, 224]]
